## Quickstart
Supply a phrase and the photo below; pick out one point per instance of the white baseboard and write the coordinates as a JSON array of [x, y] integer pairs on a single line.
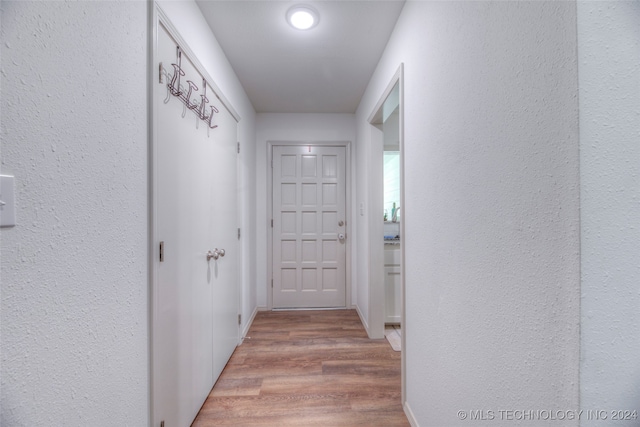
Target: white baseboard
[[393, 319], [364, 322], [247, 325], [409, 414]]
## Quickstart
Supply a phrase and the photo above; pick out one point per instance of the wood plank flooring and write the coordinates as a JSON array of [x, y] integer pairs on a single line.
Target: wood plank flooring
[[307, 368]]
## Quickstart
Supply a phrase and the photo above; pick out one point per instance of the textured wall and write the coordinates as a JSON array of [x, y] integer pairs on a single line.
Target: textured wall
[[290, 127], [74, 269], [609, 54], [491, 211]]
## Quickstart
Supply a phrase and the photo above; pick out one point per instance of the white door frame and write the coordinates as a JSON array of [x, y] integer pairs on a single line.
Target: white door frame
[[375, 252], [348, 222]]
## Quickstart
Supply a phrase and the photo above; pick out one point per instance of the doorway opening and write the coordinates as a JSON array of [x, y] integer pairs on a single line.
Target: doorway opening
[[386, 216]]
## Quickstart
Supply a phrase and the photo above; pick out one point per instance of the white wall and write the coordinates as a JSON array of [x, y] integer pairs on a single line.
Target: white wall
[[74, 269], [492, 206], [292, 127], [191, 25], [609, 54]]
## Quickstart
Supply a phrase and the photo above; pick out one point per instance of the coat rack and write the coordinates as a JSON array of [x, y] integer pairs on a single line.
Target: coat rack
[[177, 90]]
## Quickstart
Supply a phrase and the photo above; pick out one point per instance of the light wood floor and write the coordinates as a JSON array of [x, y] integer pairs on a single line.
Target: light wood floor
[[307, 368]]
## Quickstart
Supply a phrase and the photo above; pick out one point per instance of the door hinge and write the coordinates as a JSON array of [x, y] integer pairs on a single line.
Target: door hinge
[[271, 223], [238, 148], [272, 283], [161, 251], [239, 319], [238, 233], [160, 69], [161, 423]]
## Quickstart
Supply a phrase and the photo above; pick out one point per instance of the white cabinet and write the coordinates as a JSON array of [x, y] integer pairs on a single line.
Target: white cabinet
[[392, 285]]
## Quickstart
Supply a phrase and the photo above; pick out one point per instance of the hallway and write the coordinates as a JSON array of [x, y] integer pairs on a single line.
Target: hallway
[[311, 368], [521, 238]]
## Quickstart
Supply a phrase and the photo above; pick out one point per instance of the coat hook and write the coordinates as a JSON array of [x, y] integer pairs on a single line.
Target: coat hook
[[204, 100], [213, 110], [188, 97], [175, 89]]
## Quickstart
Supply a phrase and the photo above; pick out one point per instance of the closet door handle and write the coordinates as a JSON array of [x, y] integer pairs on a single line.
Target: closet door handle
[[217, 253]]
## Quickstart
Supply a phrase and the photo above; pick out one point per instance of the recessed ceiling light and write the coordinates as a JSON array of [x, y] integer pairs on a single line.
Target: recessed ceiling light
[[302, 17]]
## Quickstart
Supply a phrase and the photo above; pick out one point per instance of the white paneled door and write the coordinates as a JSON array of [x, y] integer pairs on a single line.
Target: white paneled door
[[195, 297], [309, 226]]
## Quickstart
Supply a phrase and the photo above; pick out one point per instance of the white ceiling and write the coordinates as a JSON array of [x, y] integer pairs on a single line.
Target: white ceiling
[[322, 70]]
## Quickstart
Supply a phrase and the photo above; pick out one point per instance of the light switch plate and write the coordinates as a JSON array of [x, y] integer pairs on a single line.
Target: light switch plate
[[7, 201]]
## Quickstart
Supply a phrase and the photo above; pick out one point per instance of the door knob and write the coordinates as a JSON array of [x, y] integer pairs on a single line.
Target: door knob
[[217, 253], [341, 237]]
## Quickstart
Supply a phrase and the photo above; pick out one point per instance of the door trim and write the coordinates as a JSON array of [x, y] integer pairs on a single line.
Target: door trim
[[348, 210], [375, 254]]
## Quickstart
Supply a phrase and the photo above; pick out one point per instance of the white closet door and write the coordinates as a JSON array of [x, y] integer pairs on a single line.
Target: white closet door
[[309, 256], [195, 302], [224, 223]]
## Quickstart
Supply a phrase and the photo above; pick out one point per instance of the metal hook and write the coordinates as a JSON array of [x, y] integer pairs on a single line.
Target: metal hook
[[175, 88], [192, 86], [213, 110], [204, 100]]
